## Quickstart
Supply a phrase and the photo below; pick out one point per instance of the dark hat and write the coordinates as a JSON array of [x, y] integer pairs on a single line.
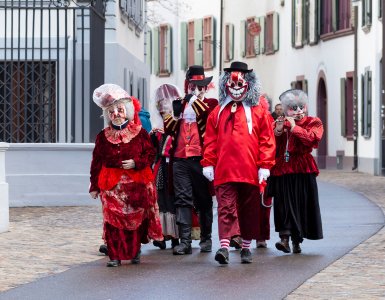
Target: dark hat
[[238, 66], [196, 75]]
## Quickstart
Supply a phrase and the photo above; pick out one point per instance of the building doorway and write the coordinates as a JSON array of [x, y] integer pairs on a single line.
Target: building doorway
[[322, 114]]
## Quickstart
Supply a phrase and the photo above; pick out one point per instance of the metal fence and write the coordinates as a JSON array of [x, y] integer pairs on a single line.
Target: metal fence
[[51, 59]]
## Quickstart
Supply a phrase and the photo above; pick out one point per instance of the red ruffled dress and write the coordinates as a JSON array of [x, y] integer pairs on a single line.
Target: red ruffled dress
[[130, 209]]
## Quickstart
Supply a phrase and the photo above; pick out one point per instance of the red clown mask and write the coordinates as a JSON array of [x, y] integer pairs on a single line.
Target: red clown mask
[[236, 86]]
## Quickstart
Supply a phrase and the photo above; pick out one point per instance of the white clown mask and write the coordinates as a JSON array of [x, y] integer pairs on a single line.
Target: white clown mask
[[237, 86]]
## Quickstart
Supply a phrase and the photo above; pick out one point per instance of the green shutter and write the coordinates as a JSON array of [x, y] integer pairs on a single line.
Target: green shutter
[[334, 15], [313, 21], [169, 49], [369, 12], [242, 38], [369, 100], [305, 22], [231, 40], [198, 37], [262, 34], [275, 31], [155, 47], [343, 106], [305, 86], [149, 49], [183, 46]]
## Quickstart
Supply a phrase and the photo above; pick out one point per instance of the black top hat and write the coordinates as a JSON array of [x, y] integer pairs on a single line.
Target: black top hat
[[238, 66], [196, 75]]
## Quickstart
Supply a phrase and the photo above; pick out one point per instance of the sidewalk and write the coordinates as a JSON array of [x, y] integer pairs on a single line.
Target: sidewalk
[[45, 241], [361, 273]]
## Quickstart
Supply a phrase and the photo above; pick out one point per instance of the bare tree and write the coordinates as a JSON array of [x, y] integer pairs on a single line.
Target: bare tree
[[155, 7]]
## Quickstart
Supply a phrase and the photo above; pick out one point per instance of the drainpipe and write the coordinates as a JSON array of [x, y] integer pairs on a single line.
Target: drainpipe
[[382, 74], [355, 90], [221, 37]]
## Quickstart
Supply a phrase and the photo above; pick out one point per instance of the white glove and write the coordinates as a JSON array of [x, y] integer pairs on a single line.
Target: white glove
[[263, 174], [192, 99], [208, 172]]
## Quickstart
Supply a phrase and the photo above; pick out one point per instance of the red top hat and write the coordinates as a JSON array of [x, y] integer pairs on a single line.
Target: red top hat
[[196, 75]]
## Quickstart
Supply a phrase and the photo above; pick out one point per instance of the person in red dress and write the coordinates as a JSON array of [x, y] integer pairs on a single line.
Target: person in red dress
[[239, 150], [121, 175], [293, 179]]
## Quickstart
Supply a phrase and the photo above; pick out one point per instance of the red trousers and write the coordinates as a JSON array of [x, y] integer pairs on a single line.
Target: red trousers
[[237, 210]]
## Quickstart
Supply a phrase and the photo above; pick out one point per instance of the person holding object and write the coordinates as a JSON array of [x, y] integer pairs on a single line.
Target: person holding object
[[121, 175], [187, 128], [239, 150], [293, 179]]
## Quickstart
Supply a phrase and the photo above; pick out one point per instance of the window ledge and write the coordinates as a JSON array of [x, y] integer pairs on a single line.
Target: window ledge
[[164, 74], [333, 35], [250, 55]]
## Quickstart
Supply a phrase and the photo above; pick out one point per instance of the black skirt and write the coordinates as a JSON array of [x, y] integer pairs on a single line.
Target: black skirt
[[296, 206]]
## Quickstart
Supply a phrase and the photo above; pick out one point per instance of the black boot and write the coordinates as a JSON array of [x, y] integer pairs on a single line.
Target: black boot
[[160, 244], [206, 221], [222, 256], [114, 263], [283, 245], [136, 259], [185, 240], [174, 243], [296, 247], [103, 249], [184, 221]]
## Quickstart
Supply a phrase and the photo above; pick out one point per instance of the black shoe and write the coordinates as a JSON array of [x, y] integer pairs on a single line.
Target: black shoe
[[296, 248], [222, 256], [246, 257], [160, 244], [182, 249], [103, 249], [174, 243], [206, 246], [114, 263], [283, 245], [136, 259], [236, 242]]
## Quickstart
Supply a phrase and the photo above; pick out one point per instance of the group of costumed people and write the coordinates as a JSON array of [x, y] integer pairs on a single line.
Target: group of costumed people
[[159, 185]]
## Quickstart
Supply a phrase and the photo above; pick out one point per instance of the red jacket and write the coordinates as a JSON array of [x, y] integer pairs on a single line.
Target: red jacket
[[235, 153]]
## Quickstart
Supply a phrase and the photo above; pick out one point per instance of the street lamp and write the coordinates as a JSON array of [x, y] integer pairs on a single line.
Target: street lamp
[[216, 44]]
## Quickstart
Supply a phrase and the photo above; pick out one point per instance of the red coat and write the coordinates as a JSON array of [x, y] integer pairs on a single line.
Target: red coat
[[235, 153], [302, 140]]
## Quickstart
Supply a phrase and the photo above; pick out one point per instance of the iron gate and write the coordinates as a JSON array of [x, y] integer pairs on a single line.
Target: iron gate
[[51, 59]]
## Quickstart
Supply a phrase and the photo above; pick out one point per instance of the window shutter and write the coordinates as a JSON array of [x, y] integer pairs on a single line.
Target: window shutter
[[155, 47], [369, 100], [149, 49], [293, 23], [231, 46], [213, 45], [334, 15], [298, 23], [198, 32], [343, 106], [275, 31], [183, 45], [304, 86], [369, 12], [293, 84], [262, 34], [257, 38], [169, 49], [242, 38], [305, 22], [313, 21]]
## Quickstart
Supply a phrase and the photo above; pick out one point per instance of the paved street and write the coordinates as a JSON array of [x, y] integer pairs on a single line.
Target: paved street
[[45, 242]]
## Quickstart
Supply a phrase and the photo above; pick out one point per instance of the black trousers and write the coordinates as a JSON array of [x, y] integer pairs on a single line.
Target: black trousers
[[191, 189]]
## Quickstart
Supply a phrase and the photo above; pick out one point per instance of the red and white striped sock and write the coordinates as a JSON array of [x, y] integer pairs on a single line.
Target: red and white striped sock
[[225, 243], [246, 244]]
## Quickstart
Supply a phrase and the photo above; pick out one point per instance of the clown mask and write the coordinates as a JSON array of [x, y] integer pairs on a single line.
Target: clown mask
[[296, 111], [198, 91], [236, 86]]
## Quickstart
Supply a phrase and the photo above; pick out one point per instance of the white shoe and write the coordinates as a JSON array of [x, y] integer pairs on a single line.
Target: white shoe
[[261, 244]]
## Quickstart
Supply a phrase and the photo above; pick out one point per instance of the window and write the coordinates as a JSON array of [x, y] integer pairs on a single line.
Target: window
[[191, 43], [298, 8], [343, 14], [162, 50], [326, 16], [300, 83], [209, 43], [366, 112], [380, 9], [229, 42], [250, 46], [347, 122], [272, 33], [366, 14]]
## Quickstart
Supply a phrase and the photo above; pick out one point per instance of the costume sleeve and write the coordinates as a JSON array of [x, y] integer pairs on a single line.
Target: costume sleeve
[[311, 135], [147, 155], [210, 157], [170, 125], [266, 143], [96, 165], [203, 108]]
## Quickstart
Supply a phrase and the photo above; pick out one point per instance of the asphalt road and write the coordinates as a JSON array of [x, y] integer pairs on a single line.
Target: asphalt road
[[348, 219]]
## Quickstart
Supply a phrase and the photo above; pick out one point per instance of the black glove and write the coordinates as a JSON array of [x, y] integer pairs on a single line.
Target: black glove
[[188, 97], [177, 107]]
